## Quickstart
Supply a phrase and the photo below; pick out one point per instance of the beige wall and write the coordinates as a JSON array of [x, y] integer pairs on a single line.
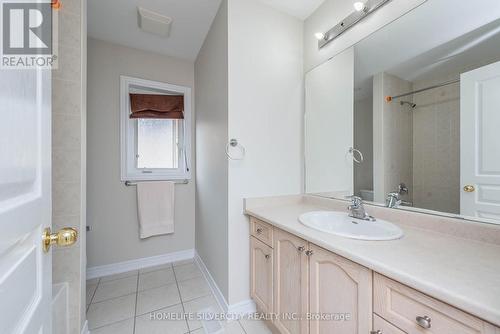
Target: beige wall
[[68, 156], [112, 207], [265, 115], [249, 89], [392, 137], [421, 146], [363, 141], [436, 147], [211, 162]]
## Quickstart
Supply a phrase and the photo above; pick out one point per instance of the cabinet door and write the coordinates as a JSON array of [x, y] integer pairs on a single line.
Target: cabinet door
[[261, 271], [290, 283], [340, 290]]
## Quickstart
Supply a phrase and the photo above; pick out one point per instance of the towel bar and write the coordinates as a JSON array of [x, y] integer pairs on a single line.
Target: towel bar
[[134, 183]]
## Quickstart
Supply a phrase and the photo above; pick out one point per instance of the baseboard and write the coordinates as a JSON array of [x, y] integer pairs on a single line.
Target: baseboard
[[211, 282], [241, 308], [122, 267], [244, 307], [85, 328]]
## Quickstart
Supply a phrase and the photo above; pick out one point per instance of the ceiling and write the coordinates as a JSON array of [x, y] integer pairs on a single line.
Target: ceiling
[[472, 50], [116, 21], [298, 8], [414, 51]]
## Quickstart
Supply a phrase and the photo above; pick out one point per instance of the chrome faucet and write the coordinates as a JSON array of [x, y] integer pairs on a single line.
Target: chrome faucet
[[357, 209], [393, 200]]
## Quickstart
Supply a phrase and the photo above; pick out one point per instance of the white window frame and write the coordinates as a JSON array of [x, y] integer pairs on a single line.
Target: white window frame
[[128, 133]]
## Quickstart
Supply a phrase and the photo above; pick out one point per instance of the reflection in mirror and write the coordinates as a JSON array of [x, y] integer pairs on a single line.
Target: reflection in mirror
[[424, 120], [329, 88]]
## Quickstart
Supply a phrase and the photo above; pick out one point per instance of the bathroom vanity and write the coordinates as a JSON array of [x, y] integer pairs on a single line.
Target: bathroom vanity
[[440, 277], [414, 131]]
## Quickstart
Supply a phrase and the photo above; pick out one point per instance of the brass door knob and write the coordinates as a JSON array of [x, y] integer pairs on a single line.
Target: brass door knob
[[64, 237], [469, 188]]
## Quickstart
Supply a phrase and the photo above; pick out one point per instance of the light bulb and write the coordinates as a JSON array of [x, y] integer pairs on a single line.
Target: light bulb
[[359, 6], [319, 35]]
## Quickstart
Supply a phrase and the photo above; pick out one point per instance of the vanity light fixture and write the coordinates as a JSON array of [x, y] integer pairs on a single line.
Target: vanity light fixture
[[362, 9], [359, 6], [319, 36]]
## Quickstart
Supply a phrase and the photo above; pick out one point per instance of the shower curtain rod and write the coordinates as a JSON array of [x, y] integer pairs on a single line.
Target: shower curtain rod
[[390, 98]]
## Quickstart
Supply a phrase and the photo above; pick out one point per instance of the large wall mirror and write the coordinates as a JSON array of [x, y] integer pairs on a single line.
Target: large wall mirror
[[409, 117]]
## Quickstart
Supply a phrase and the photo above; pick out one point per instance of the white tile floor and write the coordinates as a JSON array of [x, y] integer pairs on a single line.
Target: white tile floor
[[124, 303]]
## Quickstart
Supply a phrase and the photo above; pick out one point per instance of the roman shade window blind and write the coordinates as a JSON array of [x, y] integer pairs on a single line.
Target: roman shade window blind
[[156, 106]]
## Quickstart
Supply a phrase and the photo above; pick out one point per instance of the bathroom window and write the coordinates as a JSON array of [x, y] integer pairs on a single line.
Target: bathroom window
[[157, 143], [155, 130]]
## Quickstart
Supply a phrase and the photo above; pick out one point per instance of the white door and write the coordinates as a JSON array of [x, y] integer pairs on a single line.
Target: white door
[[329, 126], [25, 201], [480, 142]]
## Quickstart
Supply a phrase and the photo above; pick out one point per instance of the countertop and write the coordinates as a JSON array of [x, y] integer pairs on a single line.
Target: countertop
[[462, 272]]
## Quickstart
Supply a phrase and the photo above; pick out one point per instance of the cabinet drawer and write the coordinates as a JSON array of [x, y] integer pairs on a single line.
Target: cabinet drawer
[[261, 275], [380, 326], [262, 231], [403, 306]]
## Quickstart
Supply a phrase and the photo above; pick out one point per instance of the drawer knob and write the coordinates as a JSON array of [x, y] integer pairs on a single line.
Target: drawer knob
[[376, 332], [309, 252], [301, 248], [259, 231], [267, 256], [424, 322]]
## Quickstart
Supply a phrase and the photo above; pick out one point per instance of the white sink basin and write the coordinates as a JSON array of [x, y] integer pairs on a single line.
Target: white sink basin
[[339, 223]]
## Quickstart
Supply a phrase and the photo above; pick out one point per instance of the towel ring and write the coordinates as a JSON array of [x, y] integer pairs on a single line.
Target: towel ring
[[234, 143], [352, 150]]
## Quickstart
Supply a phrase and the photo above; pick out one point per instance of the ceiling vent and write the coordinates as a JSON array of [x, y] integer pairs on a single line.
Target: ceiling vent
[[153, 23]]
